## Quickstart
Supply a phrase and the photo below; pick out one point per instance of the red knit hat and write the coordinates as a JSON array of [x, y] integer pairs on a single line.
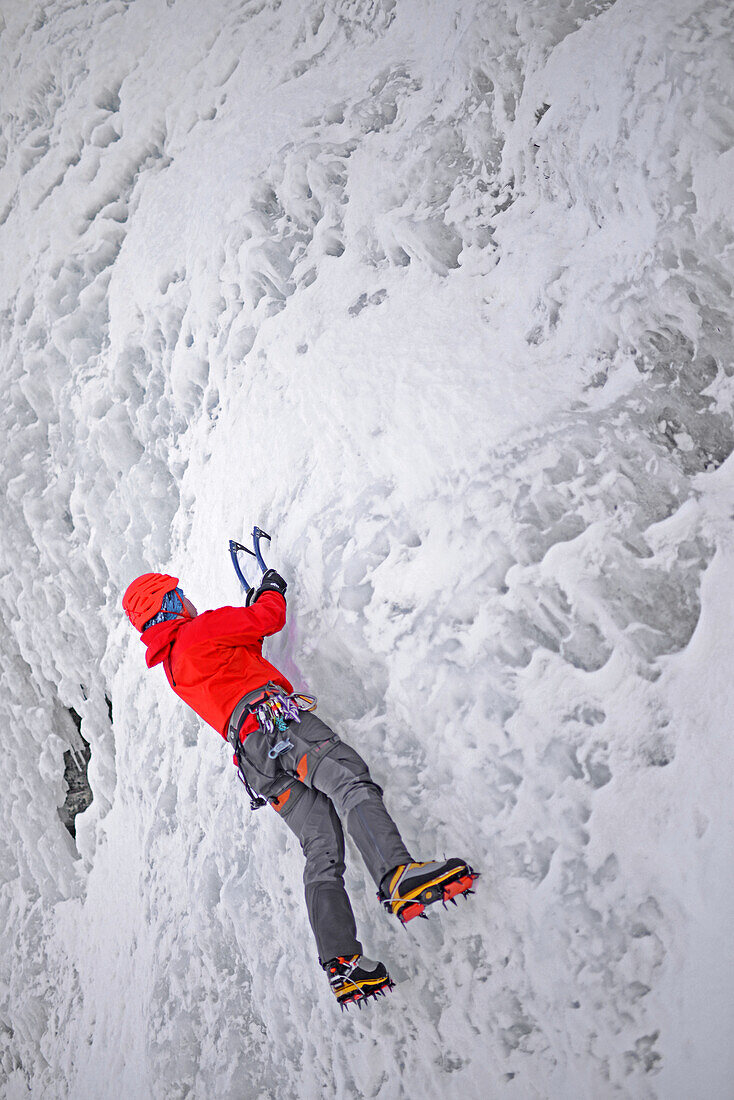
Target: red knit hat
[[144, 597]]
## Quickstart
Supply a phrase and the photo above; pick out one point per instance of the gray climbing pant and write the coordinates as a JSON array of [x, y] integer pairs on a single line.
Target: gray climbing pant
[[313, 784]]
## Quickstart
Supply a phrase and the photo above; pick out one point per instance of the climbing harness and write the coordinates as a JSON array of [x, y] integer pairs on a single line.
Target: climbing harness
[[273, 709]]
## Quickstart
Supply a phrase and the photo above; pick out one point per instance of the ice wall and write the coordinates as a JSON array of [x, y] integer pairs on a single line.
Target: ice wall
[[440, 293]]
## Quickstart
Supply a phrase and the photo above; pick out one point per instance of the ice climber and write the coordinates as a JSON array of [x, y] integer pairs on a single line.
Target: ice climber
[[214, 662]]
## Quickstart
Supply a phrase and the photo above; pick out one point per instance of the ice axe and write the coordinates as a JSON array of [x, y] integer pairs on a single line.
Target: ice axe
[[256, 553]]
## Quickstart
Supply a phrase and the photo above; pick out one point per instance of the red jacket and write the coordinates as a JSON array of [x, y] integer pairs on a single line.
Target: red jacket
[[213, 660]]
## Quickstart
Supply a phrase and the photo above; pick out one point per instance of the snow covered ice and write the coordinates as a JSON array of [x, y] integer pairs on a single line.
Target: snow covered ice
[[439, 292]]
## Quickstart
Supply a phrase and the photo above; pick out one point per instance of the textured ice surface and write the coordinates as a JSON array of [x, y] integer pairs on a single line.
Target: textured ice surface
[[440, 294]]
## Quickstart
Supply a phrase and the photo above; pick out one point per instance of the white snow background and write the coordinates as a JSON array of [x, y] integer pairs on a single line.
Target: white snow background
[[439, 292]]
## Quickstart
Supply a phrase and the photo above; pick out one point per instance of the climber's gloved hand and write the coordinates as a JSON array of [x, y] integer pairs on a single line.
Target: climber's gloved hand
[[271, 582]]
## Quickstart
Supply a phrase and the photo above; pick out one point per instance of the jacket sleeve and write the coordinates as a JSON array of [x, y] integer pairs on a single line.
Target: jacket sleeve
[[244, 625]]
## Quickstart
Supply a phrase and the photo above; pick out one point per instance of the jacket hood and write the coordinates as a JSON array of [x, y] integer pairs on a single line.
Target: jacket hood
[[159, 640]]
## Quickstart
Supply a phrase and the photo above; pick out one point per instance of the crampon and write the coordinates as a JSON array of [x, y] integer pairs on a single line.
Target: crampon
[[408, 890], [356, 979], [358, 997]]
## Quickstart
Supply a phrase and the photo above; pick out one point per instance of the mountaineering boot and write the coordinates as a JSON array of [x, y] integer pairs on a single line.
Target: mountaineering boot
[[409, 888], [354, 978]]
